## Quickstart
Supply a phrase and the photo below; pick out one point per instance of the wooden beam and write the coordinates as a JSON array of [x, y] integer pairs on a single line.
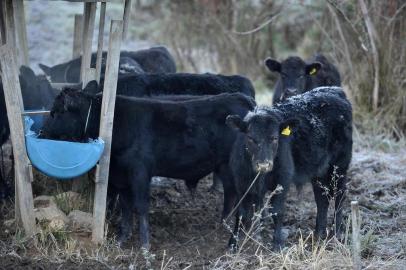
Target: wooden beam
[[106, 129], [15, 106], [21, 32], [62, 85], [126, 17], [39, 112], [88, 27], [77, 36], [2, 23], [9, 24], [100, 41]]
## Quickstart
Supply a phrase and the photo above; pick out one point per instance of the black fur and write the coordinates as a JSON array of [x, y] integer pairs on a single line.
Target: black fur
[[182, 84], [153, 60], [297, 77], [320, 145], [151, 137]]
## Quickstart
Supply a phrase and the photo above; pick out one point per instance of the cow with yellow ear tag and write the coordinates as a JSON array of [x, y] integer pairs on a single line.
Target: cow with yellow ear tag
[[305, 139], [297, 76]]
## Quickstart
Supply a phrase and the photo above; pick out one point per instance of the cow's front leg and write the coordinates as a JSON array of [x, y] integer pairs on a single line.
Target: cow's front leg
[[321, 197], [141, 188], [278, 209], [126, 222], [224, 175]]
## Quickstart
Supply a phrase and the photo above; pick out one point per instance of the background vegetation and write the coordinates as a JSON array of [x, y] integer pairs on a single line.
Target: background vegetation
[[235, 36]]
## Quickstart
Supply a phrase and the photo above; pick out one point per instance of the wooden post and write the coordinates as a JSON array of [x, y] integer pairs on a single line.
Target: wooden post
[[9, 24], [14, 105], [100, 41], [126, 17], [106, 128], [88, 27], [2, 23], [77, 36], [356, 237], [20, 32]]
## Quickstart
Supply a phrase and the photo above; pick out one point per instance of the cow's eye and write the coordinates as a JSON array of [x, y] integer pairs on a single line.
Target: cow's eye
[[274, 139]]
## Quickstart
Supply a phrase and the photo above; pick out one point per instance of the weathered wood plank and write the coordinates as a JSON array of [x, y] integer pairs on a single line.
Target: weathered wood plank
[[21, 32], [106, 128], [2, 23], [14, 105], [102, 20], [39, 112], [77, 36], [356, 237], [126, 17], [88, 27], [9, 24], [62, 85]]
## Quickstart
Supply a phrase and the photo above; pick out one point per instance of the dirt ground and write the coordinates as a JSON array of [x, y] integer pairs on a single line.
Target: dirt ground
[[187, 232]]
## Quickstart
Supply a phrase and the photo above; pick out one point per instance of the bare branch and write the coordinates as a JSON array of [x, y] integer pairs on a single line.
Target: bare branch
[[373, 39], [259, 27]]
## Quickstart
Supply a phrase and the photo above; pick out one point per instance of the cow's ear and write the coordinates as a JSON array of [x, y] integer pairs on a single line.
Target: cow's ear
[[273, 65], [45, 69], [27, 73], [313, 68], [290, 126], [92, 88], [236, 123]]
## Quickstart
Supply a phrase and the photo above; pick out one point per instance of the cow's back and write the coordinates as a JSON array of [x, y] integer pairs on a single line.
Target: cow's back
[[328, 75], [183, 84], [324, 136], [153, 60]]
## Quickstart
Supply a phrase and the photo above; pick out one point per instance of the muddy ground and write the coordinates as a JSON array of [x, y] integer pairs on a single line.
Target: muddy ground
[[187, 232]]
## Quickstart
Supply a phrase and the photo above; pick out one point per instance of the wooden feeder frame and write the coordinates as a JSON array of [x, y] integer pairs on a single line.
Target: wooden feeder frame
[[14, 53]]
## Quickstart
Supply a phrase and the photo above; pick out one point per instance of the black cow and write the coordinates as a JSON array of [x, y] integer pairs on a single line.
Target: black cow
[[153, 60], [298, 76], [151, 137], [306, 139], [140, 85], [37, 94]]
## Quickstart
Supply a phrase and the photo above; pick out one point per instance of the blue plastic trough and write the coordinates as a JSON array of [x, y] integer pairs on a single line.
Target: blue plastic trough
[[60, 159]]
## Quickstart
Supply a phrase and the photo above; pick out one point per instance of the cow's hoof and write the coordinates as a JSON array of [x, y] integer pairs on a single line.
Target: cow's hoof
[[123, 238], [277, 247], [232, 245]]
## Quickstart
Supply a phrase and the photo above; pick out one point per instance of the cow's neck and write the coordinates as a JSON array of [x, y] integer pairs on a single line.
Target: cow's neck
[[92, 119]]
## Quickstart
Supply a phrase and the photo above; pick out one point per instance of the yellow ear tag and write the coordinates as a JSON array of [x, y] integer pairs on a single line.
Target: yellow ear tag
[[286, 131], [313, 71]]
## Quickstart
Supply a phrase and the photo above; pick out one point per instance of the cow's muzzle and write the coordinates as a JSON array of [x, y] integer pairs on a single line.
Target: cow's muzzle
[[264, 167]]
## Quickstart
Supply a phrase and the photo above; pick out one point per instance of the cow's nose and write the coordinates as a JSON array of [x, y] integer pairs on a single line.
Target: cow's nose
[[291, 91], [265, 166]]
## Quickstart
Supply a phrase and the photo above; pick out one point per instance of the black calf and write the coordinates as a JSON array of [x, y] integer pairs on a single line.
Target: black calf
[[306, 139], [153, 60], [298, 76], [151, 137]]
